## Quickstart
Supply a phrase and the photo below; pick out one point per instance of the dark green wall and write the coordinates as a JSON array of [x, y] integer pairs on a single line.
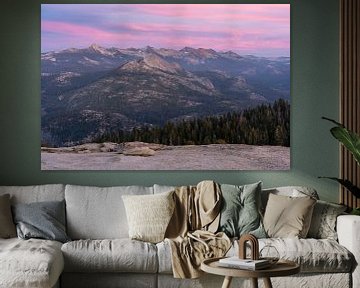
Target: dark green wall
[[314, 91]]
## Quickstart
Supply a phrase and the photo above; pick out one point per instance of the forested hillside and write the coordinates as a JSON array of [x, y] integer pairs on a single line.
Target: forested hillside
[[263, 125]]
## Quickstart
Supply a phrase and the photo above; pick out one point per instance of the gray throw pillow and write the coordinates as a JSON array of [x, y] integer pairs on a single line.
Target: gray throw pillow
[[323, 222], [7, 227], [240, 213], [44, 220]]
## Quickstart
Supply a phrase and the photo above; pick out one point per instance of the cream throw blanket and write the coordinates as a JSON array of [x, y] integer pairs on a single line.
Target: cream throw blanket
[[191, 231]]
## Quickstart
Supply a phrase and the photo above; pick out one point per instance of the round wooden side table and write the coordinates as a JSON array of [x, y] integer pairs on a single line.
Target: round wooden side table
[[281, 268]]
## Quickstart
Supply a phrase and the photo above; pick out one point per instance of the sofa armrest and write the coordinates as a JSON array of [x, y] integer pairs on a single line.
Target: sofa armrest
[[348, 230]]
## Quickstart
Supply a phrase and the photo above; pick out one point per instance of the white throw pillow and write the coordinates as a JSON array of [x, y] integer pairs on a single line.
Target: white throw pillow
[[149, 215]]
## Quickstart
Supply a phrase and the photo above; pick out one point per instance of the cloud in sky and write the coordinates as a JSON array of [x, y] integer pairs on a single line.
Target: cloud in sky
[[260, 29]]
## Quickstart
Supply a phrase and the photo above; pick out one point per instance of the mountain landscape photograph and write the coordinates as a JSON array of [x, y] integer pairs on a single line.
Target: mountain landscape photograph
[[165, 87]]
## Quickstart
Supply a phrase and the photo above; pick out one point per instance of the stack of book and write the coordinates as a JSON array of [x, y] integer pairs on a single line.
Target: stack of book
[[248, 264]]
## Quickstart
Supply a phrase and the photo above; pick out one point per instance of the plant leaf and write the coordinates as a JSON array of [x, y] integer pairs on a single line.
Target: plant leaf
[[347, 184], [333, 121], [348, 138]]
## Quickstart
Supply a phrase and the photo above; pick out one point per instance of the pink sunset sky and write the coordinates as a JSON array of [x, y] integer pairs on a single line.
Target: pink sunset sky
[[258, 29]]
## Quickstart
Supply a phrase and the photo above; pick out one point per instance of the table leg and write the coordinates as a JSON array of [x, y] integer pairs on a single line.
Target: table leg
[[254, 282], [267, 283], [227, 282]]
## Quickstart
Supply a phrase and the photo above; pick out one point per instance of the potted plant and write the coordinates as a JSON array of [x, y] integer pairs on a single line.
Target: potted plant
[[351, 141]]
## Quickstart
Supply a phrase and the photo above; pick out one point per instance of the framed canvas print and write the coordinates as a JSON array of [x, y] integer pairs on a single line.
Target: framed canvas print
[[165, 86]]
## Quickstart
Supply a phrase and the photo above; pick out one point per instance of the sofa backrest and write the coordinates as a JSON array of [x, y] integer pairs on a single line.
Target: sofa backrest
[[36, 193], [293, 191], [162, 188], [98, 212]]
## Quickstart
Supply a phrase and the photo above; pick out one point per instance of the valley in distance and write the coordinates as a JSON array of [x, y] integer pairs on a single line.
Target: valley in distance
[[164, 109]]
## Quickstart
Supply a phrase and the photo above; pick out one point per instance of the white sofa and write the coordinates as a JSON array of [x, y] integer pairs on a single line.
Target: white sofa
[[101, 254]]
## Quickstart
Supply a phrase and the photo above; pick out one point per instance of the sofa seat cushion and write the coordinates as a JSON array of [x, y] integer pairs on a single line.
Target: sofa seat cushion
[[313, 255], [30, 263], [115, 255]]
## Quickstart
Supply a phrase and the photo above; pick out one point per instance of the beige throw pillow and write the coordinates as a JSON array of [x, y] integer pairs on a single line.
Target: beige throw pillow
[[288, 217], [148, 215], [7, 226]]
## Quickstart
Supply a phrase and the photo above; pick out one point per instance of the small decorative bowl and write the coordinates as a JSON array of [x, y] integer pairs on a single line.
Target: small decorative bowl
[[270, 253]]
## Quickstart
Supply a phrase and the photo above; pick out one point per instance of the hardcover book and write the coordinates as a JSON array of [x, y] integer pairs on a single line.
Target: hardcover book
[[249, 264]]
